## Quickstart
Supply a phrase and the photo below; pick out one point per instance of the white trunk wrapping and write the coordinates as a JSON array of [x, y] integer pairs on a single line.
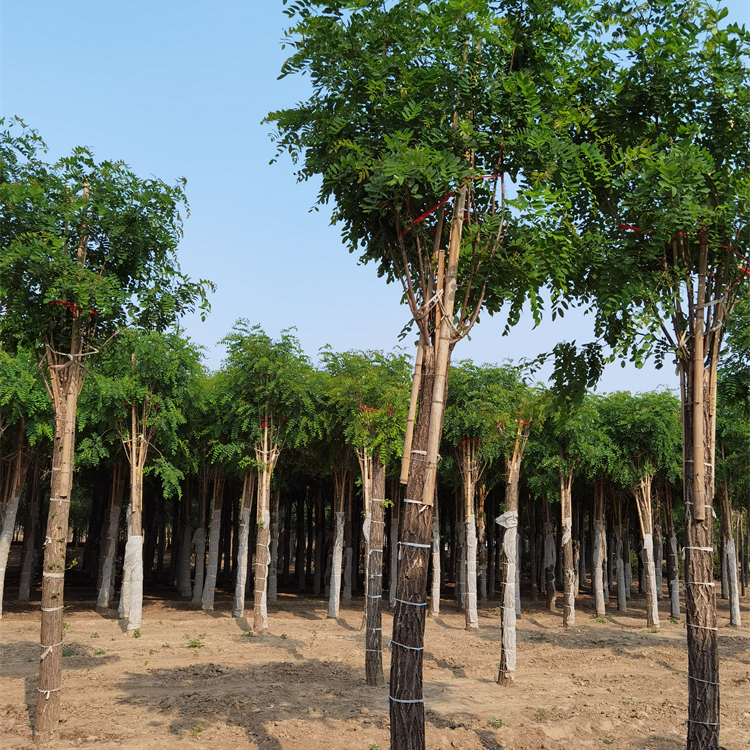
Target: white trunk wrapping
[[674, 584], [131, 593], [199, 543], [628, 574], [334, 598], [569, 584], [724, 581], [598, 572], [238, 609], [472, 617], [461, 588], [6, 536], [734, 593], [436, 573], [110, 552], [659, 565], [622, 602], [260, 595], [652, 609], [209, 586], [509, 522]]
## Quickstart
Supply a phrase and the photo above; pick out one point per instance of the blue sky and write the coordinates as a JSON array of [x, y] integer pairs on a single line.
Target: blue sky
[[179, 89]]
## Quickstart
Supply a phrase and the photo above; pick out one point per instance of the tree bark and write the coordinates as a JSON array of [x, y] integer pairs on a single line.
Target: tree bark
[[29, 554], [406, 701], [373, 532], [550, 556], [184, 584], [436, 567], [730, 556], [65, 381], [470, 471], [214, 537], [273, 571], [319, 539], [481, 543], [393, 550], [673, 569]]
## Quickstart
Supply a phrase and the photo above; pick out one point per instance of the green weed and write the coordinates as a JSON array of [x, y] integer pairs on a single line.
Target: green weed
[[99, 652], [497, 723], [94, 635], [136, 633], [249, 634], [283, 636], [196, 642], [199, 728]]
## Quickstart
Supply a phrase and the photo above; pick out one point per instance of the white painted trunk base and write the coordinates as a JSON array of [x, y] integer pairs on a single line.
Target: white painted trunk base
[[209, 586], [238, 608], [472, 616], [6, 537], [131, 592], [334, 598]]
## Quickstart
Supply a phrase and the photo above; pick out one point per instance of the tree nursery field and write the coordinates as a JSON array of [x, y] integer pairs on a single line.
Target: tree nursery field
[[197, 680]]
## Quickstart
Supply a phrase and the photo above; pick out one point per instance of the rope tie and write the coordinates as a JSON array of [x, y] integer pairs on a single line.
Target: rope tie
[[701, 627], [52, 609], [704, 723], [707, 682], [414, 544], [48, 649], [398, 700], [701, 549], [410, 648], [47, 692], [699, 583], [45, 574], [411, 604]]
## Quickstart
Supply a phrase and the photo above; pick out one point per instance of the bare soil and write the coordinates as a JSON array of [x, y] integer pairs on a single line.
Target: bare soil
[[197, 680]]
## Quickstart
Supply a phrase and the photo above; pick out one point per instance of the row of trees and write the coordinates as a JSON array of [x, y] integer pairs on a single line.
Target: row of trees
[[273, 438], [624, 130]]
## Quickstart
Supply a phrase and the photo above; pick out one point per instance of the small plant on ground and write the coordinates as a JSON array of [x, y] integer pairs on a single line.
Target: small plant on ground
[[99, 652], [607, 742], [542, 711], [94, 635], [674, 620], [248, 634], [136, 633], [199, 728], [66, 625], [196, 642], [497, 723], [283, 636], [68, 651]]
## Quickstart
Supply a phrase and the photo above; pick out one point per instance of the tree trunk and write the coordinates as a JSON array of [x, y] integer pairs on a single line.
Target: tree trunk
[[470, 471], [406, 701], [107, 585], [508, 521], [373, 532], [214, 538], [550, 556], [532, 549], [299, 558], [643, 499], [597, 575], [10, 501], [569, 606], [346, 594], [319, 539], [65, 381], [673, 569], [266, 454], [436, 567], [482, 543], [29, 554], [199, 538], [393, 549], [730, 557], [273, 571], [238, 610], [184, 584], [334, 599]]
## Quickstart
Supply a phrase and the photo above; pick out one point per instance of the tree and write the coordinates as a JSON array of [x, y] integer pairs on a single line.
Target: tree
[[24, 422], [146, 387], [646, 432], [415, 106], [663, 213], [88, 248], [270, 392]]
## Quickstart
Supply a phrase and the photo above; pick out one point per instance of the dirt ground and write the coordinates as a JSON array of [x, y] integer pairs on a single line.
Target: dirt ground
[[197, 680]]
